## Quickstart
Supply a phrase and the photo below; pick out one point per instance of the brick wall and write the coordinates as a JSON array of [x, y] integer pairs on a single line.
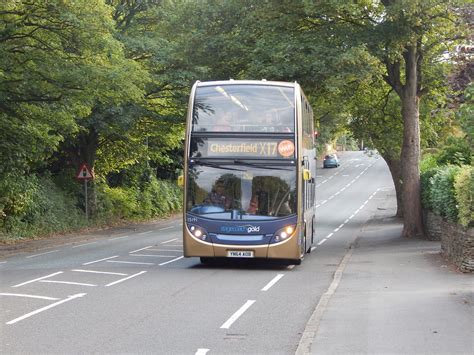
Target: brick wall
[[457, 242]]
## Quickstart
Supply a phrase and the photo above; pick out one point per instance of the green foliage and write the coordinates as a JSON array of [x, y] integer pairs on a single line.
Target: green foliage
[[156, 198], [429, 162], [464, 191], [35, 206], [427, 187], [457, 151], [442, 194]]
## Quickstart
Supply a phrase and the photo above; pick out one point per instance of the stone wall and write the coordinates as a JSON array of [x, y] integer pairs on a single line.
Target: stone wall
[[457, 242]]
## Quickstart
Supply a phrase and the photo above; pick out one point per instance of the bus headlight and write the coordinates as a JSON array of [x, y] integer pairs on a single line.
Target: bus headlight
[[198, 232], [283, 234]]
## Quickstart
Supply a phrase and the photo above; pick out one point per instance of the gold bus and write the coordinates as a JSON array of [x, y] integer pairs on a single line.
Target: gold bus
[[249, 174]]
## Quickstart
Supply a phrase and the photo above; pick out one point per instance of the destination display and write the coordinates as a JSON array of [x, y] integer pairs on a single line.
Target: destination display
[[242, 148]]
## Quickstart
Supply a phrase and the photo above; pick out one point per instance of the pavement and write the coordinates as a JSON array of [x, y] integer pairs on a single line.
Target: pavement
[[393, 295]]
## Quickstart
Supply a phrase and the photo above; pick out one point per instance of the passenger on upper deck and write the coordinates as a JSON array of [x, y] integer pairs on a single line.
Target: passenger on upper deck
[[272, 123], [223, 123]]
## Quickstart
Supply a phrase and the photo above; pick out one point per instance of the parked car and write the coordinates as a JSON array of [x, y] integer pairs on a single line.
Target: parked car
[[331, 161]]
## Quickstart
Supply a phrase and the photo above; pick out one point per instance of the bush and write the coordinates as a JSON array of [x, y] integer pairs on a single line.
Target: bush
[[426, 187], [35, 206], [155, 198], [464, 192], [116, 203], [456, 152], [442, 197]]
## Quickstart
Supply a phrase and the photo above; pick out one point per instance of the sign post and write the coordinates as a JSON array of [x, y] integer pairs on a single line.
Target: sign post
[[85, 174]]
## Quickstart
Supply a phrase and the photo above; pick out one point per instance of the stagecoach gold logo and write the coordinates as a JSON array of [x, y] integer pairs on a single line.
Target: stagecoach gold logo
[[284, 148]]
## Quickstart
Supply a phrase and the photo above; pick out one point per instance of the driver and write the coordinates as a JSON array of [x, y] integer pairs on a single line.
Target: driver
[[217, 196]]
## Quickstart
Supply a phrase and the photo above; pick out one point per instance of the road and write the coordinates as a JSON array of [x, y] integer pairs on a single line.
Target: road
[[133, 292]]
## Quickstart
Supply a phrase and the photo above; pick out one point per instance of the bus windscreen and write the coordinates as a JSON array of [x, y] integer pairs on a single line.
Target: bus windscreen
[[241, 191]]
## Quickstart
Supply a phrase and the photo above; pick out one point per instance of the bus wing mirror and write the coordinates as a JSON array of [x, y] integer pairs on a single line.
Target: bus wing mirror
[[181, 180], [306, 175]]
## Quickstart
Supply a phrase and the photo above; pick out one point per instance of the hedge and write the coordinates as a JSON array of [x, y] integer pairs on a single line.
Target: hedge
[[448, 192], [464, 191]]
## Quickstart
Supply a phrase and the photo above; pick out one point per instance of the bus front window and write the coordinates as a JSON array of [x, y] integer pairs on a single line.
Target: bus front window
[[241, 192]]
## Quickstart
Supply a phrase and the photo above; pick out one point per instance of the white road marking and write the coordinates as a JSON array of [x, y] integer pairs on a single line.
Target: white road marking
[[125, 279], [147, 232], [100, 272], [169, 241], [39, 278], [237, 314], [322, 241], [167, 262], [201, 351], [70, 298], [329, 235], [128, 262], [313, 248], [122, 237], [136, 251], [176, 250], [97, 261], [81, 245], [68, 283], [272, 282], [165, 228], [289, 267], [48, 252], [29, 296], [156, 255]]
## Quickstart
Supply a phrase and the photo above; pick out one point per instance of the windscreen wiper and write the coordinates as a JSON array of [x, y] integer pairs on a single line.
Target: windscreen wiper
[[261, 166], [213, 165]]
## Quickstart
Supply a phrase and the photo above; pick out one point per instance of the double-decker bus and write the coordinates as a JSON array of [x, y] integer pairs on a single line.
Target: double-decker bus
[[249, 174]]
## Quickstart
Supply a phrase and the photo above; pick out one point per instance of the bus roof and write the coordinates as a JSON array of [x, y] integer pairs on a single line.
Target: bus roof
[[246, 82]]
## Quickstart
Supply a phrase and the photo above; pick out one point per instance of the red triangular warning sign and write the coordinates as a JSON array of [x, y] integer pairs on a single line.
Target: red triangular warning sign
[[84, 173]]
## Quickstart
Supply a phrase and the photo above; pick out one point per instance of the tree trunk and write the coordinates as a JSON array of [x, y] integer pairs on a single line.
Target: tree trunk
[[395, 170], [410, 155]]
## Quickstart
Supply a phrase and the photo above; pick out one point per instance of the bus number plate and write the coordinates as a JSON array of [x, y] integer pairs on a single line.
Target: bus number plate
[[240, 254]]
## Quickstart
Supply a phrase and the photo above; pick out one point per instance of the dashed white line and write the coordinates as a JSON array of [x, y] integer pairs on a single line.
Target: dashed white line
[[147, 232], [329, 235], [38, 279], [169, 241], [100, 272], [81, 245], [68, 283], [29, 296], [97, 261], [272, 282], [48, 252], [128, 262], [313, 248], [201, 351], [156, 255], [165, 228], [145, 248], [70, 298], [171, 261], [125, 279], [122, 237], [237, 314], [322, 241]]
